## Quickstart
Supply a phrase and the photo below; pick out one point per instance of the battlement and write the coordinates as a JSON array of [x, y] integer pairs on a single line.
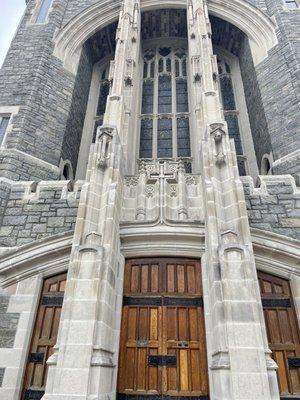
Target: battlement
[[34, 210], [274, 205]]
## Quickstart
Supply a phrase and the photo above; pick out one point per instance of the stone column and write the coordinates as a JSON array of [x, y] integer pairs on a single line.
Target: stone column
[[83, 365], [239, 357]]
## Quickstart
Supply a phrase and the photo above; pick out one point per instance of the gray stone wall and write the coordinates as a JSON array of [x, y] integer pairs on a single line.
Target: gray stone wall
[[278, 78], [72, 138], [275, 205], [32, 78], [31, 213], [8, 324], [256, 112]]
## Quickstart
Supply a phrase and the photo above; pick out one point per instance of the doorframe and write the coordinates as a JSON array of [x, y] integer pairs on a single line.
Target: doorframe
[[273, 253], [153, 257]]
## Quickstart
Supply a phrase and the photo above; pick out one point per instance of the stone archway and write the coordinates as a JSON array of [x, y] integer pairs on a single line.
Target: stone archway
[[257, 26]]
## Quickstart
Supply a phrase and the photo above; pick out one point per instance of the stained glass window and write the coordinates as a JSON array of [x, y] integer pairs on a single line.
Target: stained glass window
[[43, 11], [164, 94], [164, 138], [182, 95], [146, 138], [165, 112]]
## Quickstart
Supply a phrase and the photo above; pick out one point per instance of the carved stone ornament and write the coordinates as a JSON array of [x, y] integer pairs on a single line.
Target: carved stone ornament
[[131, 181], [173, 191], [105, 135], [149, 190], [191, 180], [220, 158], [128, 81], [197, 78]]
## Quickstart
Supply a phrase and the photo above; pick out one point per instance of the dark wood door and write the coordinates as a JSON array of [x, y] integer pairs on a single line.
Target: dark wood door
[[44, 337], [162, 349], [282, 330]]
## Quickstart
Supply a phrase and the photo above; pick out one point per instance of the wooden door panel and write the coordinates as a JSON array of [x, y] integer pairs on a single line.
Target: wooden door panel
[[185, 339], [44, 336], [140, 338], [162, 317], [157, 276], [282, 330]]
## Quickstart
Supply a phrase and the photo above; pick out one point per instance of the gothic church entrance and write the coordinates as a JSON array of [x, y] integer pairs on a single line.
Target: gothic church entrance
[[162, 347]]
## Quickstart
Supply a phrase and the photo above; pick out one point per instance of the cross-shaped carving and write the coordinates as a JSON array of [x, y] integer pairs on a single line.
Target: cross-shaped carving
[[162, 172]]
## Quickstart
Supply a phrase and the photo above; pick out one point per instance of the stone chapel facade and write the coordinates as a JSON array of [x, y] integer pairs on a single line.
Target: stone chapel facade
[[149, 201]]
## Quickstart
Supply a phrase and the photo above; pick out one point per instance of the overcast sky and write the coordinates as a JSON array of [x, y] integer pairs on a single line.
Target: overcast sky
[[10, 14]]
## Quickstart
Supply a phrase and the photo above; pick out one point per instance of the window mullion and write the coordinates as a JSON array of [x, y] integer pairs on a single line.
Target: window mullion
[[174, 105], [155, 108]]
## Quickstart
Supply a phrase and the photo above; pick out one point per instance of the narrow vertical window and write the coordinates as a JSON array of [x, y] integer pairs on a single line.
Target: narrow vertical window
[[230, 112], [43, 11], [102, 99], [3, 127], [291, 4]]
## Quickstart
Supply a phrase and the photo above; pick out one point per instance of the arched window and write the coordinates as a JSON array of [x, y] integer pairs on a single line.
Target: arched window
[[165, 131]]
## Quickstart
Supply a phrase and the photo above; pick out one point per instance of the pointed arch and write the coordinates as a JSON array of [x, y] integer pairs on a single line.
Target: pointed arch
[[259, 28]]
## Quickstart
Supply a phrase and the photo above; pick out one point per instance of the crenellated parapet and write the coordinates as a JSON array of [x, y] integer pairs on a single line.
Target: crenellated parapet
[[274, 205], [35, 210]]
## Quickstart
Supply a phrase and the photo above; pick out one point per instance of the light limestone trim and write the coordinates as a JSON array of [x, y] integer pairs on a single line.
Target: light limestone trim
[[36, 11], [43, 257], [257, 26], [162, 241]]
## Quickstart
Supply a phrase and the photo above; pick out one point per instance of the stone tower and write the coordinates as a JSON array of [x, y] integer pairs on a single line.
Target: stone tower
[[149, 201]]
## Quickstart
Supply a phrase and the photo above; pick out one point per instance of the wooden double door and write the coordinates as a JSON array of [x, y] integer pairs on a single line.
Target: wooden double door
[[44, 337], [162, 347], [283, 332]]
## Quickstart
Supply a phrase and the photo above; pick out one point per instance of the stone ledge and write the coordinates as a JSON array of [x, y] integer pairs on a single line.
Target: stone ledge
[[270, 184]]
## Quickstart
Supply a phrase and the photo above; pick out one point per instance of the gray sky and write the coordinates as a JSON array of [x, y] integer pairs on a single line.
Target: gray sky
[[10, 14]]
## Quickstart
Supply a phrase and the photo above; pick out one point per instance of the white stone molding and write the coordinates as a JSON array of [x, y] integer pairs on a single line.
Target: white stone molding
[[42, 257], [162, 241], [259, 28]]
